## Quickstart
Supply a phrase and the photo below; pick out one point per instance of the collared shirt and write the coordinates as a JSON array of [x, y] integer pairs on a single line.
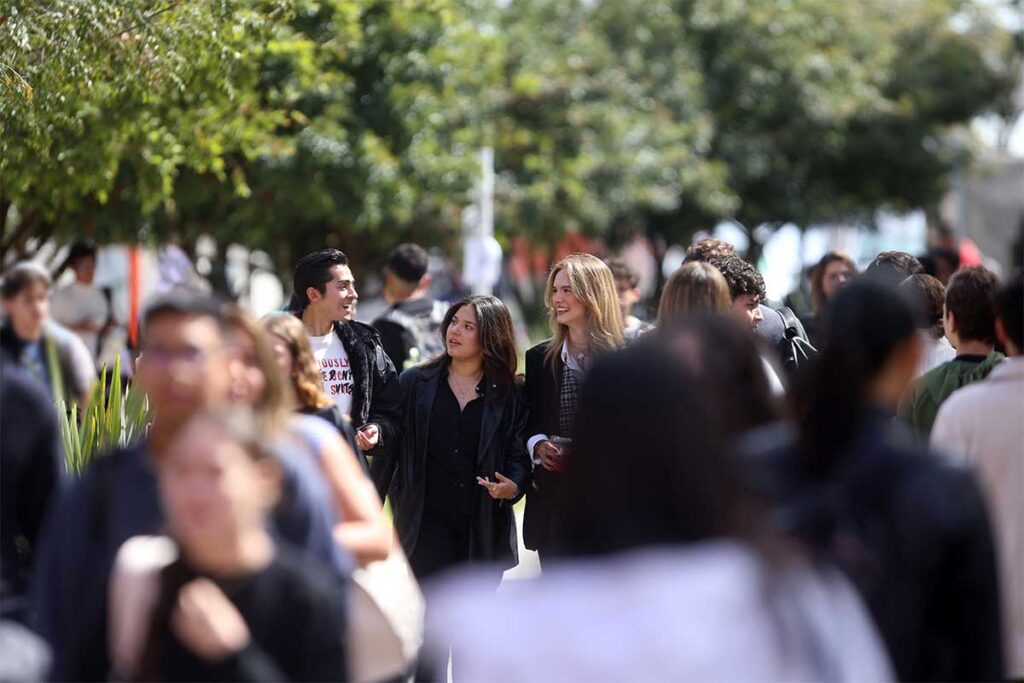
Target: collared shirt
[[574, 366], [453, 443], [981, 426]]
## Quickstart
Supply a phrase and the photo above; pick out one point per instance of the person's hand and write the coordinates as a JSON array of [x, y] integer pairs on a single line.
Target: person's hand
[[550, 456], [501, 489], [368, 436], [207, 623]]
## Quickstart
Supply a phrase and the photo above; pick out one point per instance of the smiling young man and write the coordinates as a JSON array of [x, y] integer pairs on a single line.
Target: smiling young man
[[364, 386]]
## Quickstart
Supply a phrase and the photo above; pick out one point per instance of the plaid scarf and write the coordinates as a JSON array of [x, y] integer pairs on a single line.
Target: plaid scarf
[[568, 401]]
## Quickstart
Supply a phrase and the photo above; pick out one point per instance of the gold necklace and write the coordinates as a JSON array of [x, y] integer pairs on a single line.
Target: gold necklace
[[460, 389]]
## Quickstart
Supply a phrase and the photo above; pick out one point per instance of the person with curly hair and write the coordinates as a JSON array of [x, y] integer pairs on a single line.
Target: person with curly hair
[[746, 288]]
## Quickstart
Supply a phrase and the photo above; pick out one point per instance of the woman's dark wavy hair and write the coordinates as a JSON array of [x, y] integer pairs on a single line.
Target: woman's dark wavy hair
[[865, 322], [497, 339], [646, 467]]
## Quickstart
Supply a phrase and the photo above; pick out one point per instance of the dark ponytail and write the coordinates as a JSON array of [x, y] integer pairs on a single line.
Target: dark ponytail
[[862, 326]]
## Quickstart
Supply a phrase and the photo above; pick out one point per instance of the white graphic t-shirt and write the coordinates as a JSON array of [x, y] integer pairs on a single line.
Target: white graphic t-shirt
[[335, 372]]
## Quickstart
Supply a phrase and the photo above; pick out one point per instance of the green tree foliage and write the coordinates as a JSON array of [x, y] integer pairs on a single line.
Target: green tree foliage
[[287, 126], [599, 116], [382, 120], [114, 98], [828, 110]]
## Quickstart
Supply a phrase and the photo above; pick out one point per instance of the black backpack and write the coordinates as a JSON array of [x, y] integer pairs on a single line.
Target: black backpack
[[421, 333], [796, 349]]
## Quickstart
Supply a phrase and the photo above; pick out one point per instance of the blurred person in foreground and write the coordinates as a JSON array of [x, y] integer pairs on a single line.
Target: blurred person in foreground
[[930, 296], [627, 285], [52, 354], [834, 270], [219, 599], [187, 365], [893, 267], [981, 425], [695, 288], [290, 342], [31, 474], [461, 461], [911, 532], [259, 383], [970, 326], [665, 574], [586, 323]]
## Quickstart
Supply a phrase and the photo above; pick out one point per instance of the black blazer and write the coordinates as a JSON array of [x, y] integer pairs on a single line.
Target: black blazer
[[401, 470], [543, 395]]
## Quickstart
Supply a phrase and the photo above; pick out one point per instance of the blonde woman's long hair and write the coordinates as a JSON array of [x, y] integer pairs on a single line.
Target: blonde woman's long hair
[[305, 377], [592, 282], [696, 287]]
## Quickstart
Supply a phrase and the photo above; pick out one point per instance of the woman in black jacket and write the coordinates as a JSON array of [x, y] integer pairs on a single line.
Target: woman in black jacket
[[460, 461], [586, 322], [909, 530]]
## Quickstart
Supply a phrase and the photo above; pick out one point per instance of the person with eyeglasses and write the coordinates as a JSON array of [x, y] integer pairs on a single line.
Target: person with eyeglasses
[[185, 367]]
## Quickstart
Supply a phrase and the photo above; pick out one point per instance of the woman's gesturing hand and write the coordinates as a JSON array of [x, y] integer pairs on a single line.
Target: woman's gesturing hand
[[502, 489]]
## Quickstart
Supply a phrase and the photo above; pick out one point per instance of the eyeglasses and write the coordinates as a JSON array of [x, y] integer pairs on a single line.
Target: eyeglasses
[[189, 355]]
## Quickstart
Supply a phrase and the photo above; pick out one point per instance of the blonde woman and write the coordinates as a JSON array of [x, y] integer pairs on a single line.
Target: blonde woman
[[586, 322], [697, 287]]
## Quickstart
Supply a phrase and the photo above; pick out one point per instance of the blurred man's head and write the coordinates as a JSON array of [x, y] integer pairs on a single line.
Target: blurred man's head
[[82, 260], [968, 312], [928, 296], [709, 249], [26, 292], [183, 365], [893, 267], [746, 287], [406, 273], [626, 284], [946, 262], [1009, 306]]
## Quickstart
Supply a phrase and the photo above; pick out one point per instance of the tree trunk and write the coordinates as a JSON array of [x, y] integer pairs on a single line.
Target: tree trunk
[[17, 240]]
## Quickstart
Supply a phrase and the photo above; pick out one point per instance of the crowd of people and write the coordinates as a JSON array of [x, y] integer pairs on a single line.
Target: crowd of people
[[726, 492]]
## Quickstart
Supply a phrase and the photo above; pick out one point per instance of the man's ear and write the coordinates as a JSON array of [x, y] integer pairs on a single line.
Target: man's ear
[[313, 294], [950, 319], [1003, 336], [424, 281]]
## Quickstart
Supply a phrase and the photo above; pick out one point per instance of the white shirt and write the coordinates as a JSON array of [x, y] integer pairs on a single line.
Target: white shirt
[[936, 352], [335, 372], [982, 425], [76, 304], [574, 365], [707, 612]]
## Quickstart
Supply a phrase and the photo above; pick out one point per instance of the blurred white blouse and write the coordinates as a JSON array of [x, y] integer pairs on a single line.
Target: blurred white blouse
[[707, 612]]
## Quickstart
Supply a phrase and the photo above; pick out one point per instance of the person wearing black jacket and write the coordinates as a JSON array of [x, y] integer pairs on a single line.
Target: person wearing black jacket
[[31, 476], [357, 375], [460, 462], [910, 531], [586, 322]]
